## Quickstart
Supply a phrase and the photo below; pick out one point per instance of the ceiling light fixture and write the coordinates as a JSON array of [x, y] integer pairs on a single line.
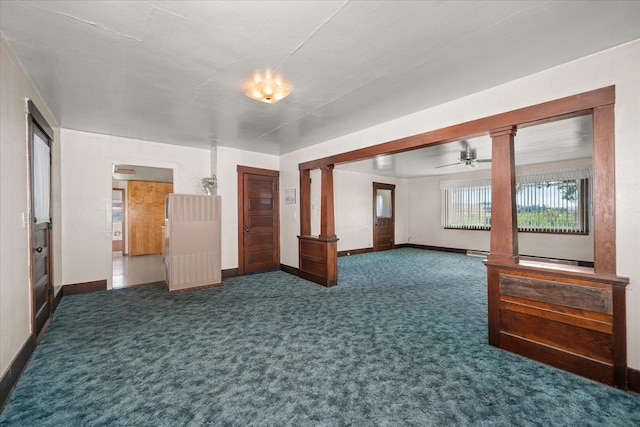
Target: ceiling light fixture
[[267, 87]]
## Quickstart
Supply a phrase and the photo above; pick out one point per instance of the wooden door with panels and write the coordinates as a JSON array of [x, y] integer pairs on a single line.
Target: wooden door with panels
[[383, 216], [258, 220], [40, 140], [145, 208]]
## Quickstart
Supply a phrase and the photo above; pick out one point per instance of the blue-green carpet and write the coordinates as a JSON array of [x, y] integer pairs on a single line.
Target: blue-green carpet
[[402, 340]]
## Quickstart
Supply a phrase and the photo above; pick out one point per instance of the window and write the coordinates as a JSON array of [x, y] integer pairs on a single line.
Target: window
[[546, 202]]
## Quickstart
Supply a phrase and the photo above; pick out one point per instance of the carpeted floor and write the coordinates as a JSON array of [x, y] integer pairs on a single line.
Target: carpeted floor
[[401, 341]]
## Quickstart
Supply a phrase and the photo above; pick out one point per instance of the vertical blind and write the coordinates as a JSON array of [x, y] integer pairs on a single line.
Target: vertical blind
[[548, 201]]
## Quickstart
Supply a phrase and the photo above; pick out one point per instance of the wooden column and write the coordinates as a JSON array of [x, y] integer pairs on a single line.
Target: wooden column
[[604, 196], [305, 202], [318, 255], [327, 218], [504, 222]]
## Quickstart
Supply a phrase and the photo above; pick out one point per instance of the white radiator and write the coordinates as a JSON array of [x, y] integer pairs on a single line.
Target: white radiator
[[192, 241]]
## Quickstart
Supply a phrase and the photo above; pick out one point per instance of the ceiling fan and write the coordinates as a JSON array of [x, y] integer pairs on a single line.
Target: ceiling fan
[[468, 157]]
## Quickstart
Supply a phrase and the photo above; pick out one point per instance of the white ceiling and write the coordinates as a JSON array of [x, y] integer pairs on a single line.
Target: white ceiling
[[173, 71]]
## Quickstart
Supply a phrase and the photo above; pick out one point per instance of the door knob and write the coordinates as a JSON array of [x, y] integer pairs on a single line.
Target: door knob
[[39, 249], [246, 230]]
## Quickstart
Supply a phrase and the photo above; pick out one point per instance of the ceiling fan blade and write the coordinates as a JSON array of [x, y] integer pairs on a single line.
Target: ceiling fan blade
[[482, 160], [450, 164]]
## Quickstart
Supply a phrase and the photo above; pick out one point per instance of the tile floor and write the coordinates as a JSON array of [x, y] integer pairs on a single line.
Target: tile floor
[[136, 270]]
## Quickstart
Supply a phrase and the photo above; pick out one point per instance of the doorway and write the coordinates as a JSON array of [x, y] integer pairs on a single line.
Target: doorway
[[258, 220], [383, 216], [40, 140], [138, 198]]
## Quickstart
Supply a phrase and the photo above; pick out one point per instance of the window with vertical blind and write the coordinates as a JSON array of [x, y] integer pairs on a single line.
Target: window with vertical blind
[[546, 202]]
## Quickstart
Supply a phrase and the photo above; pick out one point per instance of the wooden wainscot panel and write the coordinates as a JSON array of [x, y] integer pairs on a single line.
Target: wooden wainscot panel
[[317, 259], [585, 342], [583, 366], [312, 249], [566, 294], [573, 320]]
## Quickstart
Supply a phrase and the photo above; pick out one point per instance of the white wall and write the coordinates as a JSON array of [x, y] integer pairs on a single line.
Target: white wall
[[87, 165], [353, 194], [425, 204], [618, 66], [15, 293], [228, 160]]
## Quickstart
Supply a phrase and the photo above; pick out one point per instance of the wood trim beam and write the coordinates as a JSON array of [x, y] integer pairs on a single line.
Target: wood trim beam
[[570, 106]]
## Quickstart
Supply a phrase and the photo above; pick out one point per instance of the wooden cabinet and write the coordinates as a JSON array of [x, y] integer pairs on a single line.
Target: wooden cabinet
[[145, 204]]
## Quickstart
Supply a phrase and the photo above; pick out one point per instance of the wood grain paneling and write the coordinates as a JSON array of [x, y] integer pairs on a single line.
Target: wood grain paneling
[[604, 190], [573, 320], [318, 259], [145, 205], [566, 294], [258, 220], [586, 367], [574, 339]]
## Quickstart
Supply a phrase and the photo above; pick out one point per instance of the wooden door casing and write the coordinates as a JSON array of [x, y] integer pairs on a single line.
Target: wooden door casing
[[258, 220], [383, 227], [145, 209]]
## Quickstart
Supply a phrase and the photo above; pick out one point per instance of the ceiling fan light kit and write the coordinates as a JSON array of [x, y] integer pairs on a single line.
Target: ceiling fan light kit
[[468, 157]]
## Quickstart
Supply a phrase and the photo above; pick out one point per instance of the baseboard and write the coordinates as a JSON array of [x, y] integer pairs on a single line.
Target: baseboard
[[196, 288], [633, 380], [481, 253], [291, 270], [432, 248], [84, 287], [355, 251], [229, 272], [56, 300], [10, 378]]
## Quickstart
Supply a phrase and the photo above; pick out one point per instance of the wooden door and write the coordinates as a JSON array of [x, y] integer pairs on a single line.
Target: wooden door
[[383, 216], [40, 172], [145, 209], [258, 220]]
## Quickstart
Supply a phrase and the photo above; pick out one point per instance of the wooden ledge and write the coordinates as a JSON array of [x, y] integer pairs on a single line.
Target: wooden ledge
[[562, 270]]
